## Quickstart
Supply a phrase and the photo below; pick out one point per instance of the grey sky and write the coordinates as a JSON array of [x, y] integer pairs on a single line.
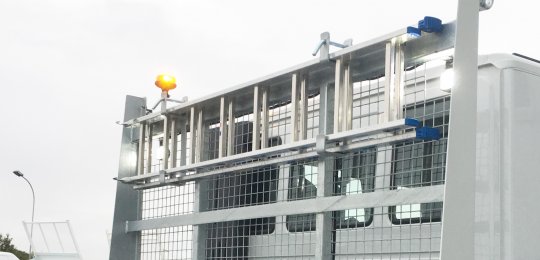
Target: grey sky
[[66, 66]]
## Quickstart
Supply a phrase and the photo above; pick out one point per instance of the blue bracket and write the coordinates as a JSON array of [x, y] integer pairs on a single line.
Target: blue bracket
[[415, 32], [430, 24], [412, 122], [427, 133]]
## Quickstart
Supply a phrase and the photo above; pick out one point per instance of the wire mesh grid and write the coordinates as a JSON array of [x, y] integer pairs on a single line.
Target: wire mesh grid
[[168, 201], [312, 129], [279, 123], [243, 133], [211, 141], [368, 102], [269, 184], [382, 240], [183, 150], [167, 243], [398, 232], [256, 239]]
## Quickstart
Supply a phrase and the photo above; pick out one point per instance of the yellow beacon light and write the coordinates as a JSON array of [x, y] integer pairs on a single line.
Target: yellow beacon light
[[165, 82]]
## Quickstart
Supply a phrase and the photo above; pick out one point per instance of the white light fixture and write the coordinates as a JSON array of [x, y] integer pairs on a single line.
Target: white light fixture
[[447, 80]]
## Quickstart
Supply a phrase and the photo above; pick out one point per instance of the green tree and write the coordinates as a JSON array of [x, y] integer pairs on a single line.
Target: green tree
[[7, 246]]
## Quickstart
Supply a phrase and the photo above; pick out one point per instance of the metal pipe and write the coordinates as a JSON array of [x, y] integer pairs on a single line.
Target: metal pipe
[[222, 128], [294, 107], [166, 135], [256, 120], [230, 131], [149, 151], [264, 119], [140, 155], [192, 131], [174, 141]]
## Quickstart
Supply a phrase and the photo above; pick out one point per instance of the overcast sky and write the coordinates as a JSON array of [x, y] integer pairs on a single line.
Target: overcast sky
[[66, 66]]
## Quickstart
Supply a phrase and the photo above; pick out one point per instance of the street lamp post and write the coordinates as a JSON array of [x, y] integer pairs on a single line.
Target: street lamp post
[[19, 174]]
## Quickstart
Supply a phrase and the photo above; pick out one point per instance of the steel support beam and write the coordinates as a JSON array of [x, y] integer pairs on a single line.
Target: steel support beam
[[140, 153], [394, 83], [324, 227], [231, 130], [382, 198], [174, 142], [338, 108], [347, 98], [200, 204], [256, 143], [126, 245], [192, 131], [166, 136], [183, 143], [264, 119], [294, 107], [200, 132], [303, 107], [149, 134], [222, 128], [458, 226]]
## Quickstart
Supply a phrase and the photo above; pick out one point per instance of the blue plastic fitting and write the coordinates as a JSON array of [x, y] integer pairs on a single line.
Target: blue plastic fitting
[[412, 122], [428, 133], [414, 31], [430, 24]]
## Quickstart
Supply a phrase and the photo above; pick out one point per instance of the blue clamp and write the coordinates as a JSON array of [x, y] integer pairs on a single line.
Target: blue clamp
[[430, 24], [412, 122], [427, 133], [415, 32]]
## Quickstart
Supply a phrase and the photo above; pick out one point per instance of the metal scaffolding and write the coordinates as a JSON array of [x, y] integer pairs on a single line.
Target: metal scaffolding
[[341, 157]]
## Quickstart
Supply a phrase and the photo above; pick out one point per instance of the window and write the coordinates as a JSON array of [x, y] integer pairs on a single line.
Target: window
[[302, 185], [355, 174], [417, 164]]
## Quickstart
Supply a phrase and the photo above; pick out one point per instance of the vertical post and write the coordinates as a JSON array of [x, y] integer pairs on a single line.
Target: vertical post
[[303, 107], [394, 85], [200, 204], [264, 119], [325, 48], [294, 107], [230, 131], [140, 154], [149, 133], [338, 98], [192, 130], [399, 83], [323, 244], [388, 74], [347, 97], [126, 245], [174, 141], [222, 128], [458, 230], [183, 143], [200, 132], [256, 120], [166, 135]]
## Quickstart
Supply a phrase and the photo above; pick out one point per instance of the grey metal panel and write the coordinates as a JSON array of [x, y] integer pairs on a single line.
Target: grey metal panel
[[316, 205], [458, 229], [124, 245]]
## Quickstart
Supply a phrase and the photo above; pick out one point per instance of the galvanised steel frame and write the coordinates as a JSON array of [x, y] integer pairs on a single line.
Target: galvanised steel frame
[[331, 76]]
